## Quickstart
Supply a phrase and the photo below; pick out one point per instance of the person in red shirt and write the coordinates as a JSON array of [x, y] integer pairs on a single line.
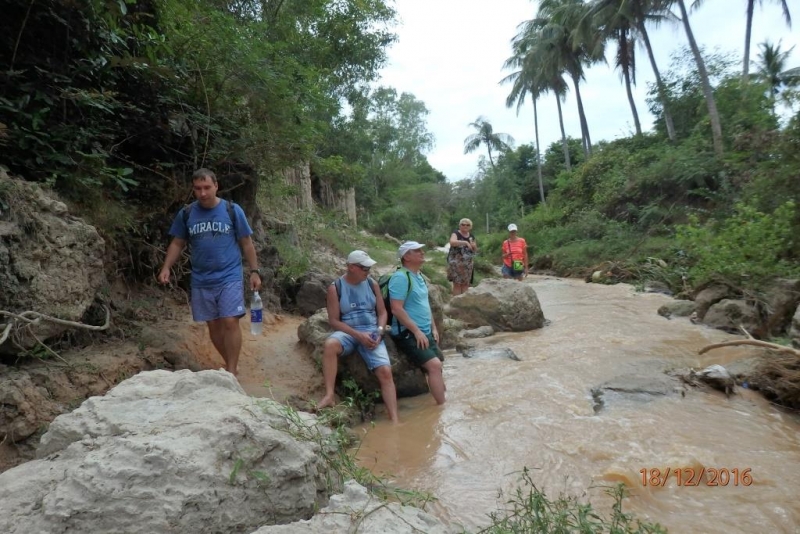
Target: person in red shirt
[[515, 255]]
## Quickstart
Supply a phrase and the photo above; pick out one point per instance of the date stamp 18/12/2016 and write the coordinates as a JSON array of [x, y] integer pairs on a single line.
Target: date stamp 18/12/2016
[[690, 476]]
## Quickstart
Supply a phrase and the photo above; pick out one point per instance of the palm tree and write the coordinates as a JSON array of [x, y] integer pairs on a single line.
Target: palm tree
[[708, 92], [748, 31], [540, 65], [625, 61], [569, 43], [614, 16], [485, 135], [525, 82], [557, 84], [772, 72]]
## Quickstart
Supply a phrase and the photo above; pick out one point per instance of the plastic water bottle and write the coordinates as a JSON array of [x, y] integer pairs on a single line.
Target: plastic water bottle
[[256, 314]]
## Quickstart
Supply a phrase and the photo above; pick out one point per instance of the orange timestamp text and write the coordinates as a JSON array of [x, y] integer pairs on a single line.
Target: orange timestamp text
[[689, 476]]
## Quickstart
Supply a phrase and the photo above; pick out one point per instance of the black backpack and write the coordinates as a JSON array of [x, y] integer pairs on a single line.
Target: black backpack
[[383, 285], [187, 209]]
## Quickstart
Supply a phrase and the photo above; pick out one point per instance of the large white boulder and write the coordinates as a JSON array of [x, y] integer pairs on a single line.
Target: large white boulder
[[355, 510], [166, 452]]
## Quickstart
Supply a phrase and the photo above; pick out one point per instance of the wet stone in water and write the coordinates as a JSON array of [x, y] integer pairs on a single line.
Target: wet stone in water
[[491, 354]]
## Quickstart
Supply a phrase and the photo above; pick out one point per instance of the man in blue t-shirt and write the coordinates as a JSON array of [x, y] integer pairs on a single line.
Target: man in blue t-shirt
[[413, 329], [217, 296]]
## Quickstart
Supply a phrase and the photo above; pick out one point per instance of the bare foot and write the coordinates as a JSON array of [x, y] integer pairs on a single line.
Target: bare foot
[[325, 402]]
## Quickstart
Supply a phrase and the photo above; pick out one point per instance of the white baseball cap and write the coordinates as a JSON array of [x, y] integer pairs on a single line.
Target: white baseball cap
[[408, 245], [512, 227], [359, 257]]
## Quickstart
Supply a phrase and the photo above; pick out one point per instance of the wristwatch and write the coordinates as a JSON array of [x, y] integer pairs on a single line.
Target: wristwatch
[[381, 329], [257, 271]]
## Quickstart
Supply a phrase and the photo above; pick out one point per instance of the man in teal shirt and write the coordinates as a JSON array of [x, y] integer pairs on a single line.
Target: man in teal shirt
[[413, 329]]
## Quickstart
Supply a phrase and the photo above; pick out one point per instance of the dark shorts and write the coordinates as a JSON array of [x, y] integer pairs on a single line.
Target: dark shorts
[[508, 271], [407, 344]]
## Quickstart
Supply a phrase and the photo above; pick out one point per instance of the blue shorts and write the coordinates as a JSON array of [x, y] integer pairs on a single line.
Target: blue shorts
[[508, 271], [227, 300], [373, 358]]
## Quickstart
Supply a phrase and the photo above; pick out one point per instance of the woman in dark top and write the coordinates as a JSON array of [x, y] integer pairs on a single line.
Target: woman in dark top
[[459, 261]]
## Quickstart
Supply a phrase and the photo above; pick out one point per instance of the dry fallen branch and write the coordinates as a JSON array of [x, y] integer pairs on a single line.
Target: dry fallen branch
[[28, 318], [6, 331], [753, 342]]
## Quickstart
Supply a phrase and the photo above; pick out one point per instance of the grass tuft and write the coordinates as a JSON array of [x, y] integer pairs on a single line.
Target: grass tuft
[[529, 510]]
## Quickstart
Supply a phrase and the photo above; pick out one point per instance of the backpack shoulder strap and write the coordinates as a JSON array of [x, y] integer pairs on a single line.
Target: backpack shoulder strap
[[376, 287], [338, 285], [232, 214], [408, 277], [185, 212]]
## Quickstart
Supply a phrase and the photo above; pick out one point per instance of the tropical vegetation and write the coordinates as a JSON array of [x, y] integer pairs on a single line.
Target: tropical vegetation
[[112, 104]]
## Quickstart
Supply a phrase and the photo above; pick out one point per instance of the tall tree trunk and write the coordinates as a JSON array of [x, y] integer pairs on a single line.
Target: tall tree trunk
[[563, 133], [538, 152], [587, 141], [636, 123], [747, 34], [713, 114], [491, 160], [662, 93]]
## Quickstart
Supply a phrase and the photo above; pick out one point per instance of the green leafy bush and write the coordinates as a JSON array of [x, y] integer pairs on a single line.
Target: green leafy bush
[[748, 246]]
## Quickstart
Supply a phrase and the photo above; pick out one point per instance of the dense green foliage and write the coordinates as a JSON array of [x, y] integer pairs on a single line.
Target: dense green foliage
[[643, 198], [115, 103]]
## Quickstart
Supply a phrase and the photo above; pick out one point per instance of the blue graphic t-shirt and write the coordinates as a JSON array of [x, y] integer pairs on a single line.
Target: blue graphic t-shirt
[[216, 256]]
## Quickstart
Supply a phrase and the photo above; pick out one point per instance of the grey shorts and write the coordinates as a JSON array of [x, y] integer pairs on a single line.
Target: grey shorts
[[210, 303], [373, 358]]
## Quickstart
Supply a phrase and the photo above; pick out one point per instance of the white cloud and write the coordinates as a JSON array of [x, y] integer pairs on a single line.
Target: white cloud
[[450, 55]]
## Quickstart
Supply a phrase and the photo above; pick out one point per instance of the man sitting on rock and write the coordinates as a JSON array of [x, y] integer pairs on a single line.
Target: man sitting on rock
[[357, 314], [413, 329]]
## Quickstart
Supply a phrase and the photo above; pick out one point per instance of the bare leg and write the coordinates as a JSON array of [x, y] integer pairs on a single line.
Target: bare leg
[[435, 379], [215, 331], [232, 343], [330, 365], [227, 339], [388, 392]]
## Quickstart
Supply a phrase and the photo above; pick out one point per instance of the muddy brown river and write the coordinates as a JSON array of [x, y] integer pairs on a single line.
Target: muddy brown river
[[502, 416]]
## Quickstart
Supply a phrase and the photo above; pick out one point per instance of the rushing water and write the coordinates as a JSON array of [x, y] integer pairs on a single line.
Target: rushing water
[[503, 415]]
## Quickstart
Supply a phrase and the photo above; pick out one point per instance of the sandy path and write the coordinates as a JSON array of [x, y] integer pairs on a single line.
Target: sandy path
[[270, 365]]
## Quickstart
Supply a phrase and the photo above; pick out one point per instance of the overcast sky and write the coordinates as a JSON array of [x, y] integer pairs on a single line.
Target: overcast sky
[[450, 55]]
